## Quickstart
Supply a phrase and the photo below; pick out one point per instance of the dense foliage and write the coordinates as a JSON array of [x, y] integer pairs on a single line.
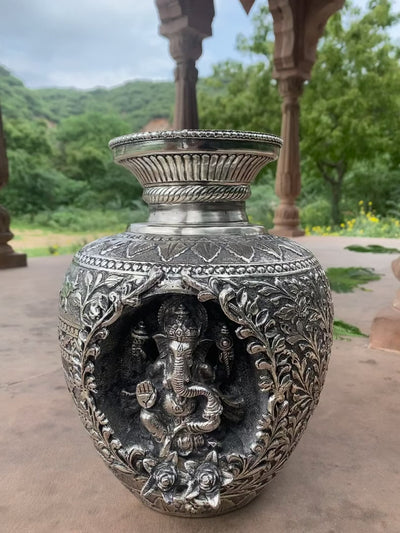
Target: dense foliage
[[350, 112], [57, 144]]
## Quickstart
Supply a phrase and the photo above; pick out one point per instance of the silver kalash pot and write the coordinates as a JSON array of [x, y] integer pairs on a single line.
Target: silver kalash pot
[[195, 345]]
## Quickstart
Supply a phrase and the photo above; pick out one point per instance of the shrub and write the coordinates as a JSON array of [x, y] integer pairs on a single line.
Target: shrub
[[317, 213], [74, 219], [366, 224]]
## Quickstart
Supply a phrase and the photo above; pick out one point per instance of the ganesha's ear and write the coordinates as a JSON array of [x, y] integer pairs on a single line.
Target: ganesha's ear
[[162, 343], [205, 342], [203, 346], [159, 336]]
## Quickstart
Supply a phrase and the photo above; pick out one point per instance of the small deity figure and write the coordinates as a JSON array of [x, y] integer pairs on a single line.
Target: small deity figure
[[133, 366], [179, 404]]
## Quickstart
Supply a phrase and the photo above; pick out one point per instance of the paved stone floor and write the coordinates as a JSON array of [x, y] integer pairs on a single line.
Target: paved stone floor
[[344, 476]]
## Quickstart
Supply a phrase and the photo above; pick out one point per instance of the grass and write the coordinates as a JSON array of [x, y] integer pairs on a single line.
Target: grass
[[52, 250], [78, 220], [342, 330], [349, 278], [372, 248]]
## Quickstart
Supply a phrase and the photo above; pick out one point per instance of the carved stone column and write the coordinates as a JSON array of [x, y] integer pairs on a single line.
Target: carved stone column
[[185, 48], [185, 24], [288, 182], [298, 25], [385, 329], [8, 258]]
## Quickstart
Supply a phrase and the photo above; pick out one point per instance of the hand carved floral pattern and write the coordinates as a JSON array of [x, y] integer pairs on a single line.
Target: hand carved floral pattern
[[284, 321], [288, 324]]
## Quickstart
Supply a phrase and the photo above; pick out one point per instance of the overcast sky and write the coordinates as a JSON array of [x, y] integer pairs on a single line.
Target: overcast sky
[[89, 43]]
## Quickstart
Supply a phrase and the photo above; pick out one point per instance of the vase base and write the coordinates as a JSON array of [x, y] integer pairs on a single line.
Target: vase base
[[209, 514]]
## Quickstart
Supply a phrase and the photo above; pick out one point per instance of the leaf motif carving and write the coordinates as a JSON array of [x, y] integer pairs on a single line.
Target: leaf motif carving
[[288, 330], [245, 252], [206, 250], [138, 247], [171, 250]]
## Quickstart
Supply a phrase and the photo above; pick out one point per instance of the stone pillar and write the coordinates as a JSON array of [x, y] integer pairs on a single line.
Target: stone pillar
[[185, 23], [385, 329], [298, 25], [288, 182], [185, 48], [8, 258]]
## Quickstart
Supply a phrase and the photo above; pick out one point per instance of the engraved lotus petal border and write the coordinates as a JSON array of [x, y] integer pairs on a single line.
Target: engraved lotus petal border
[[122, 254]]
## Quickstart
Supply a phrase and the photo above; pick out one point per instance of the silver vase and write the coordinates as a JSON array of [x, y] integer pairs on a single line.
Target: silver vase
[[195, 345]]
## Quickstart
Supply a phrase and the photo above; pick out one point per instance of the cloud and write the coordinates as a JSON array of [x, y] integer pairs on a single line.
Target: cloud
[[88, 43], [82, 42]]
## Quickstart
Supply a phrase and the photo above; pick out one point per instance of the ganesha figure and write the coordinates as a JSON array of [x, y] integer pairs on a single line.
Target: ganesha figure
[[181, 404]]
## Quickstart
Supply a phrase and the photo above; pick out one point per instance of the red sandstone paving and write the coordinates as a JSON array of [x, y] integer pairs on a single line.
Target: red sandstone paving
[[344, 476]]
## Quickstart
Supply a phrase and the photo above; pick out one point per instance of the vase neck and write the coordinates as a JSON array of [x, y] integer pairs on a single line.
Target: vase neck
[[196, 208], [198, 218], [195, 192]]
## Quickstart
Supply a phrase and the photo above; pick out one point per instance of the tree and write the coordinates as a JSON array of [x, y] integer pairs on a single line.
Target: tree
[[240, 98], [34, 184], [244, 97], [83, 155], [351, 105]]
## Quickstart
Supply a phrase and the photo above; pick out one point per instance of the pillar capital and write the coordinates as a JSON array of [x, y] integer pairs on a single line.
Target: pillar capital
[[298, 25], [291, 88], [185, 45]]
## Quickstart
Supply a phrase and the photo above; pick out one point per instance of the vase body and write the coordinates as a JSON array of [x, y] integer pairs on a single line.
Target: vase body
[[195, 346]]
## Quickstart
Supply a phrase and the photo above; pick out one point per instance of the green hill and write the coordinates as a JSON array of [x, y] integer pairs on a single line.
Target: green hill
[[137, 102]]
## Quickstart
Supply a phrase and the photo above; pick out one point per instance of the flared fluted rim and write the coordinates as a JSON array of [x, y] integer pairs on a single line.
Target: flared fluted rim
[[228, 135], [218, 157]]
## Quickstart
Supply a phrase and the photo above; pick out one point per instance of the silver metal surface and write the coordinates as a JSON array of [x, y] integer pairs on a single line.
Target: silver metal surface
[[195, 346], [197, 180]]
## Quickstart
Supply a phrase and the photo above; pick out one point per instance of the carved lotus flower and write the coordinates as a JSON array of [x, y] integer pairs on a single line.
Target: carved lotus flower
[[163, 476], [206, 480]]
